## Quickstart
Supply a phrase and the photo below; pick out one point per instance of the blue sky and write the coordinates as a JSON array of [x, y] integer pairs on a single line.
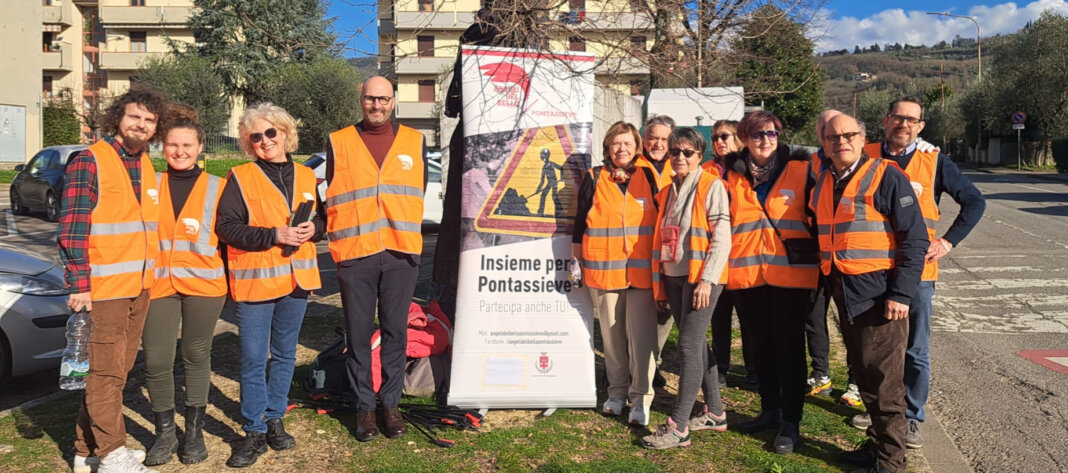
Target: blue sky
[[842, 23]]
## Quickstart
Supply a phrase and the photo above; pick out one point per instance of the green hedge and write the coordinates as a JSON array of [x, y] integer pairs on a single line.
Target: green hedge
[[61, 125]]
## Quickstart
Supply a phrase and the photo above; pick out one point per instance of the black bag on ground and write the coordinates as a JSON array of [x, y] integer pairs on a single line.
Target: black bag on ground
[[328, 374]]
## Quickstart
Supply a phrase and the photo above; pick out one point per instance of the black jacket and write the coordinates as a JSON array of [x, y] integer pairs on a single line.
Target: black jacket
[[232, 221]]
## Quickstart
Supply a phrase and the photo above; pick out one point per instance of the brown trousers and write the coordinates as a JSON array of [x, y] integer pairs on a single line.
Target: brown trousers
[[875, 349], [113, 345]]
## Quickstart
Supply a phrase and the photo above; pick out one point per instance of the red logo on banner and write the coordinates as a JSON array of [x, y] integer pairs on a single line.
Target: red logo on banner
[[508, 73], [545, 365]]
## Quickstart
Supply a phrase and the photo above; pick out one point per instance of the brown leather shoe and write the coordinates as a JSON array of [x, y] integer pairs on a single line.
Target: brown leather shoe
[[366, 429], [395, 425]]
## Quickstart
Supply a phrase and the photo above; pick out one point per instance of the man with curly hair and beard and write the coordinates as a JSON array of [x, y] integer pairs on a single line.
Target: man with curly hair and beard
[[108, 244]]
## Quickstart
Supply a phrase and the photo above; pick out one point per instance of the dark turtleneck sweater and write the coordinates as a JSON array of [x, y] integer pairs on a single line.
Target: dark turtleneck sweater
[[180, 185], [378, 140]]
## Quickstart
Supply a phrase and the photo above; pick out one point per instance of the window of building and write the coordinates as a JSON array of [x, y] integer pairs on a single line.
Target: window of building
[[138, 42], [46, 39], [577, 44], [636, 86], [46, 3], [637, 44], [577, 5], [426, 46], [47, 82], [426, 5], [426, 90], [137, 3]]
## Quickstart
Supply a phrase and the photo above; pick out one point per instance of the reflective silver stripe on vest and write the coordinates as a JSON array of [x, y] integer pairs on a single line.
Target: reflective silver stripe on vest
[[113, 269], [116, 228], [853, 254], [789, 224], [261, 273], [746, 261], [860, 210], [207, 219], [619, 231], [160, 273], [698, 232], [771, 260], [656, 255], [818, 190], [197, 273], [310, 263], [350, 196], [605, 265], [656, 277], [401, 189], [373, 227], [747, 227], [639, 263], [185, 245], [863, 226]]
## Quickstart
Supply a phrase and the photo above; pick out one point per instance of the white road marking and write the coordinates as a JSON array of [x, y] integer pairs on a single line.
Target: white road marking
[[1029, 233], [987, 284], [32, 233], [1005, 301], [993, 269], [12, 229], [957, 257], [1060, 360], [1050, 322], [1037, 188]]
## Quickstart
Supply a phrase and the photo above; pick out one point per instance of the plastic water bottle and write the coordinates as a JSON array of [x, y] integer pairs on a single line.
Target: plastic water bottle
[[75, 364]]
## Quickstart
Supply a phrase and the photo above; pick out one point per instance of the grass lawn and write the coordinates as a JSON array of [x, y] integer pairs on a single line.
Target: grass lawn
[[7, 175]]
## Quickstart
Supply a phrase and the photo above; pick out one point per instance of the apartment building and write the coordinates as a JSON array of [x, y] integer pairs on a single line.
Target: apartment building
[[418, 41], [91, 49], [20, 97]]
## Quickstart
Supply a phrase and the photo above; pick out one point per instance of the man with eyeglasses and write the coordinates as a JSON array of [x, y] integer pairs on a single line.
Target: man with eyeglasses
[[872, 243], [376, 178], [931, 174]]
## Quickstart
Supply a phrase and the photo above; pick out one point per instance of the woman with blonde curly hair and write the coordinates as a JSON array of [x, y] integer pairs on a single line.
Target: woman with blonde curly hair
[[273, 267]]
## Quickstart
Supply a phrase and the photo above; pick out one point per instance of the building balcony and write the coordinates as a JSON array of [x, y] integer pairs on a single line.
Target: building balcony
[[60, 57], [124, 61], [606, 21], [56, 14], [439, 20], [173, 17], [423, 65], [621, 66], [416, 110]]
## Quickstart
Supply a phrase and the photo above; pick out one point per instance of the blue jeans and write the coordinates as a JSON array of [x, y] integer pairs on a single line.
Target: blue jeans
[[268, 327], [918, 353]]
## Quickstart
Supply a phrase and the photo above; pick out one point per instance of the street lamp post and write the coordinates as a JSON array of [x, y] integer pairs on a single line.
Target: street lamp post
[[979, 43]]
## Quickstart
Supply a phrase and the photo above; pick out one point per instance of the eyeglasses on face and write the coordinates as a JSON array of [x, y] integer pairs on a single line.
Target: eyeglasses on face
[[759, 135], [722, 136], [688, 153], [839, 137], [899, 119], [380, 99], [257, 137]]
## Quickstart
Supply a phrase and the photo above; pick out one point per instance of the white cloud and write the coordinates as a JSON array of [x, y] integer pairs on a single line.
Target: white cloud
[[917, 27]]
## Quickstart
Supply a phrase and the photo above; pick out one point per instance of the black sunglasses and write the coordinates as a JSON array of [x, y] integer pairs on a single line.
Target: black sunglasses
[[257, 137], [688, 153], [722, 137], [759, 135]]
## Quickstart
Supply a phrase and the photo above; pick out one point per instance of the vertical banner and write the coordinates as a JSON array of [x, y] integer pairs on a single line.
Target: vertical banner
[[524, 332]]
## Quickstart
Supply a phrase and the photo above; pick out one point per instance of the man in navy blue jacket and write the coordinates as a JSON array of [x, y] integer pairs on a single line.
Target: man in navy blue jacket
[[931, 174], [872, 252]]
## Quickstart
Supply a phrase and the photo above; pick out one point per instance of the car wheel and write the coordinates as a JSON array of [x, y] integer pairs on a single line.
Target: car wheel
[[52, 207], [16, 203]]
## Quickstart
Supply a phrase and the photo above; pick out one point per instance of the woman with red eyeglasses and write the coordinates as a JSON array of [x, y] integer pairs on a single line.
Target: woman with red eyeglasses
[[773, 268], [272, 264]]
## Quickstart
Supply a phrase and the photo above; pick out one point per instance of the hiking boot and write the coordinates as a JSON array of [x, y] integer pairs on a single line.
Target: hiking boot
[[667, 436], [166, 443], [366, 428], [707, 421], [122, 461], [861, 421], [91, 464], [752, 382], [277, 437], [193, 448], [789, 436], [639, 415], [819, 386], [851, 396], [658, 379], [766, 420], [863, 455], [395, 425], [913, 438], [613, 407], [247, 450], [722, 379]]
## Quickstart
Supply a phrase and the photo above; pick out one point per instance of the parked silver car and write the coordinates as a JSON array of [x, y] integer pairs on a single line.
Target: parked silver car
[[33, 311]]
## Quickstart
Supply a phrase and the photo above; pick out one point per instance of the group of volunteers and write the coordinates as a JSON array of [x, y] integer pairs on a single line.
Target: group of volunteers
[[152, 257], [774, 234]]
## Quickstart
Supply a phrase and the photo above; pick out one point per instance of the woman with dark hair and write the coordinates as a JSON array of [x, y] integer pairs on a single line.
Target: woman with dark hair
[[613, 244], [190, 289], [273, 267], [773, 268], [691, 241]]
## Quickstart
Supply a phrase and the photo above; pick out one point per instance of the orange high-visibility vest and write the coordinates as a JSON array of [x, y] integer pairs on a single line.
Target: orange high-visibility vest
[[921, 173], [617, 247], [663, 179], [699, 239], [758, 256], [123, 244], [370, 210], [189, 260], [264, 275], [853, 235]]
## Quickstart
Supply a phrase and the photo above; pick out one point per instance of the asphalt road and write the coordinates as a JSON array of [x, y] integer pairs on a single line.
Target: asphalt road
[[1002, 291]]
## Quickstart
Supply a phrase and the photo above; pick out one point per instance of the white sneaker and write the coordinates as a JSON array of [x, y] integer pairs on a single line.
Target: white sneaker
[[90, 464], [639, 415], [122, 461], [613, 407]]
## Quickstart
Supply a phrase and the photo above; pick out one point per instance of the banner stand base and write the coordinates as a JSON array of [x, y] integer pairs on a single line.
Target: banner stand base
[[548, 412]]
